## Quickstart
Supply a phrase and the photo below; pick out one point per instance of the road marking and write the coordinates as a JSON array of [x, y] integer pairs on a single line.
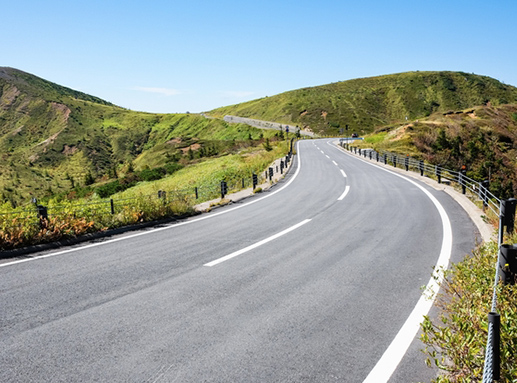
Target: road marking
[[326, 155], [334, 162], [342, 197], [393, 355], [342, 172], [172, 226], [255, 245]]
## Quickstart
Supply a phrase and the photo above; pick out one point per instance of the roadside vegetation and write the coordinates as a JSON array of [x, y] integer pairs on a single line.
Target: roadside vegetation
[[72, 216], [455, 341]]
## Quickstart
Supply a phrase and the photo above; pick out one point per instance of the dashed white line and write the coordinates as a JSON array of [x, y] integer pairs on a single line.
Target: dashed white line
[[326, 155], [342, 197], [342, 172], [255, 245], [334, 162]]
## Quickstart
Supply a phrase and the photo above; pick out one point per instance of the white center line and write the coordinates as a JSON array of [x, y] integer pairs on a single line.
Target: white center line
[[342, 172], [342, 197], [334, 162], [255, 245], [326, 155]]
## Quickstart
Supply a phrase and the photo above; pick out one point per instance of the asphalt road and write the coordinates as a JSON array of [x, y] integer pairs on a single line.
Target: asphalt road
[[308, 282]]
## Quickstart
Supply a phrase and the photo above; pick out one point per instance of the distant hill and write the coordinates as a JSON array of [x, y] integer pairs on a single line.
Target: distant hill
[[483, 138], [52, 137], [366, 103]]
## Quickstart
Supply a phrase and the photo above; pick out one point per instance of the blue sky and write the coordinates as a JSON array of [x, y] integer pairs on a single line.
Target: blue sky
[[170, 56]]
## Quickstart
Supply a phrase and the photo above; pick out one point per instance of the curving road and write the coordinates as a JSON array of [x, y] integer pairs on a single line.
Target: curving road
[[309, 282]]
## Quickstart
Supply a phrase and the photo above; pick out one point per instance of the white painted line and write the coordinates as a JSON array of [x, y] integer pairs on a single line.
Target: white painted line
[[342, 197], [255, 245], [207, 216], [326, 155], [391, 358], [334, 162], [342, 172]]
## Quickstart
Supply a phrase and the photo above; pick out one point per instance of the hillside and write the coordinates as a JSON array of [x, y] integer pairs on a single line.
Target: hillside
[[364, 104], [483, 138], [52, 138]]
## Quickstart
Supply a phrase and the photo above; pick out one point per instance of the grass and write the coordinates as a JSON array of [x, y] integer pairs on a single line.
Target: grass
[[364, 104], [455, 341], [140, 203]]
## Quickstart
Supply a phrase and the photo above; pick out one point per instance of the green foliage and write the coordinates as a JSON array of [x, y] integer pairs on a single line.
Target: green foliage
[[364, 104], [267, 145], [48, 131], [131, 179], [455, 341]]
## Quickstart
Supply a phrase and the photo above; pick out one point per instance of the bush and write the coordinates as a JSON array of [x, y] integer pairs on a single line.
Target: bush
[[455, 341]]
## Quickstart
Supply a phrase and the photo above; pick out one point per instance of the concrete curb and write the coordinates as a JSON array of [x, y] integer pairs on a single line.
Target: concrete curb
[[487, 231]]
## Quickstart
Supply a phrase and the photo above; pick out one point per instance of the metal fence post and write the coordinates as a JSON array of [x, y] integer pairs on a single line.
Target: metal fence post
[[438, 173], [196, 191], [112, 206], [421, 167]]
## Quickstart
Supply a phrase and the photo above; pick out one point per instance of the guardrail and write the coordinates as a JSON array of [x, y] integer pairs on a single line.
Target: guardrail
[[506, 265], [116, 212]]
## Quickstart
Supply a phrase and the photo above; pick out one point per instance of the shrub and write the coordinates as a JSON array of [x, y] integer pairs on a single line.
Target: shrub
[[455, 341]]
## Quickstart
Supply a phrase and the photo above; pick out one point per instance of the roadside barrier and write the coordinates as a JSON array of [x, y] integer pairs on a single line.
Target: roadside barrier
[[117, 212], [506, 265]]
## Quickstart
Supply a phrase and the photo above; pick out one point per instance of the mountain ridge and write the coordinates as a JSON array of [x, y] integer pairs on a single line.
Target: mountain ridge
[[366, 103]]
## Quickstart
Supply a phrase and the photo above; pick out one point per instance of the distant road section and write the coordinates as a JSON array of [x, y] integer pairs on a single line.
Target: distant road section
[[266, 124]]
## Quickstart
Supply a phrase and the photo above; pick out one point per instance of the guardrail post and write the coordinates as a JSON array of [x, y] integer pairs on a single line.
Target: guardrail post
[[508, 263], [462, 174], [270, 174], [406, 162], [255, 180], [377, 156], [224, 189], [42, 215], [385, 159], [394, 159], [438, 172], [421, 167], [281, 167], [196, 191], [112, 206]]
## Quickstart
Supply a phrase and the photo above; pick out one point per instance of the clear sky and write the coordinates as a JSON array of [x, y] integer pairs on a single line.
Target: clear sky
[[170, 56]]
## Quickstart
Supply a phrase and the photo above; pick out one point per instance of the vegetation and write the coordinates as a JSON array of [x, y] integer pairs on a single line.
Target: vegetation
[[361, 105], [456, 340], [484, 139], [54, 140]]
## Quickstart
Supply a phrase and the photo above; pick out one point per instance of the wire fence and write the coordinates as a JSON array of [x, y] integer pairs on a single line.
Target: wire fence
[[36, 223], [476, 189]]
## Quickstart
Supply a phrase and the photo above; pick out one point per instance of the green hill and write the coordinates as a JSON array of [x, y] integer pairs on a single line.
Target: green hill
[[364, 104], [52, 137], [483, 138]]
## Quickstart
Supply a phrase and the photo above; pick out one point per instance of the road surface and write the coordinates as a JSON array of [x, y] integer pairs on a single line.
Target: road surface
[[308, 282]]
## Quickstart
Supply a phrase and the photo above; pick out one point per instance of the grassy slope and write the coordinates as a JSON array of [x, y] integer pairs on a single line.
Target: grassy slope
[[364, 104], [482, 138], [50, 134]]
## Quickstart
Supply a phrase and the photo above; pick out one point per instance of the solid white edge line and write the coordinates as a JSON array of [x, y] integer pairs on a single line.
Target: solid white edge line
[[391, 358], [342, 197], [163, 228], [255, 245], [342, 172]]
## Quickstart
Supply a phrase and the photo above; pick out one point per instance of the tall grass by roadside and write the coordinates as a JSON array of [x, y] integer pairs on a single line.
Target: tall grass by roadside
[[68, 219], [455, 341]]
